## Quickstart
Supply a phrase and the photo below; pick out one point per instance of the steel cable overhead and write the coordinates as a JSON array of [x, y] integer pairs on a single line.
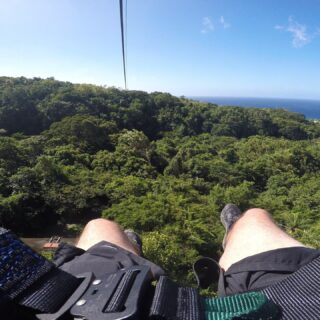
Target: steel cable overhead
[[123, 42]]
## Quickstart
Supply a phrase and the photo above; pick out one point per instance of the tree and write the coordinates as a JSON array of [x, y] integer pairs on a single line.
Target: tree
[[88, 133], [162, 165]]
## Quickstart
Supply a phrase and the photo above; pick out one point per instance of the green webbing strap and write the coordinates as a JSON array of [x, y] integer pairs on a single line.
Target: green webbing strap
[[251, 305], [173, 302]]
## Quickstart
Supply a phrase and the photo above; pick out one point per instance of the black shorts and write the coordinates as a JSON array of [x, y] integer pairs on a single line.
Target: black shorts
[[262, 270], [250, 274], [102, 258]]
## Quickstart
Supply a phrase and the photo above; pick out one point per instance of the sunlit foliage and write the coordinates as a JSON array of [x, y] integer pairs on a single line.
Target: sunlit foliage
[[162, 165]]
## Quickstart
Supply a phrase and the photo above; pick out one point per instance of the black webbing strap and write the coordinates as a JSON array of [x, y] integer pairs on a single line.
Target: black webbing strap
[[30, 280], [174, 302], [299, 294]]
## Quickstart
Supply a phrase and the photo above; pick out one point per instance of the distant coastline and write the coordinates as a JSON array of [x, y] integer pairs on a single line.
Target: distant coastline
[[310, 108]]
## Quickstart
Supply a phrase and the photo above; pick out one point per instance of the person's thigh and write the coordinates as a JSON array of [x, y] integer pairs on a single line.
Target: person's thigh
[[255, 232]]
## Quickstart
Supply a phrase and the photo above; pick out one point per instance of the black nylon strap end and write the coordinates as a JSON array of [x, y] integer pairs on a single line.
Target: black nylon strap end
[[172, 302]]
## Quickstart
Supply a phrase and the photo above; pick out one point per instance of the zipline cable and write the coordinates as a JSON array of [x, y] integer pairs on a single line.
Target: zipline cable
[[126, 32], [123, 44]]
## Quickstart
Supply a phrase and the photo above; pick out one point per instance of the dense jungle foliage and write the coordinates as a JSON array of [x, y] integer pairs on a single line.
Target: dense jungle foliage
[[161, 165]]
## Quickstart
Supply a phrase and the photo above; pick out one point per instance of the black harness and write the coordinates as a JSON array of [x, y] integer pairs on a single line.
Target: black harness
[[31, 287]]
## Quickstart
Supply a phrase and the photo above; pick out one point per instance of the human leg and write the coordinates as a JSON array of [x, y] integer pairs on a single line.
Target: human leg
[[253, 233], [105, 230]]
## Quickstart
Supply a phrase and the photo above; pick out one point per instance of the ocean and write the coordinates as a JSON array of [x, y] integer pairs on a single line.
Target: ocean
[[310, 108]]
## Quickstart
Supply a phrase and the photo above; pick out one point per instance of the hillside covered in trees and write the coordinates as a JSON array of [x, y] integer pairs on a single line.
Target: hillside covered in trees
[[162, 165]]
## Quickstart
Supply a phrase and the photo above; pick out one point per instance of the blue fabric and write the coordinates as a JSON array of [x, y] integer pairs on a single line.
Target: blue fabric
[[20, 266]]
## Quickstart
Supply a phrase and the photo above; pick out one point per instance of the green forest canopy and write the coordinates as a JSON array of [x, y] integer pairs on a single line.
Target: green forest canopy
[[162, 165]]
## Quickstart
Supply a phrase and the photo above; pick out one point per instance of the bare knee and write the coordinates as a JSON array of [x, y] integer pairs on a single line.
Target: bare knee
[[251, 218], [100, 229], [101, 223], [256, 211], [253, 233], [255, 215]]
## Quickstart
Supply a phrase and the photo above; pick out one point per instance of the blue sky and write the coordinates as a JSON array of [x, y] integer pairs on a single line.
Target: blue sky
[[248, 48]]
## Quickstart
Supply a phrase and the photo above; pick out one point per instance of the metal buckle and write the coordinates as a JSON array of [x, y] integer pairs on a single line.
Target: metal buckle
[[87, 280], [109, 289]]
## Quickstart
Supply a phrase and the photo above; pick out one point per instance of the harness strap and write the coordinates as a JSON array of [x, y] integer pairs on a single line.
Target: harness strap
[[249, 306], [173, 302], [42, 291], [298, 294], [30, 280]]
